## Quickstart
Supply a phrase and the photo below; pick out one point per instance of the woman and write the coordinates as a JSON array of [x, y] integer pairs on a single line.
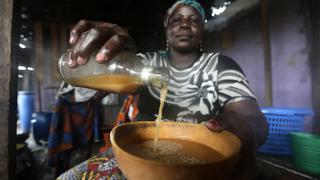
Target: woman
[[206, 88]]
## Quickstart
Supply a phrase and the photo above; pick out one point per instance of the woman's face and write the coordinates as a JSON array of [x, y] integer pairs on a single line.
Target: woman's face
[[185, 28]]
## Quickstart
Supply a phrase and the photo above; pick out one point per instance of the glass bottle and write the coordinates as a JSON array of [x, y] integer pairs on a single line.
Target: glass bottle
[[124, 74]]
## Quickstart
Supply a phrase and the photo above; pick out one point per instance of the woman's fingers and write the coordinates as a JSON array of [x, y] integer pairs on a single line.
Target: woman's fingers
[[214, 125], [86, 44], [75, 52], [88, 36], [110, 48], [75, 34], [115, 43], [78, 29], [220, 122], [72, 62]]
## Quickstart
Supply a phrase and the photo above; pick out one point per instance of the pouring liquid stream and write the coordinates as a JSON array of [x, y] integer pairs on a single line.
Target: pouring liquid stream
[[163, 95]]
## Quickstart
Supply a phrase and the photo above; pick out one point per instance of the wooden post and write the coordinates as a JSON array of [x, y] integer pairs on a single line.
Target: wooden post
[[266, 54], [54, 51], [38, 48], [38, 58], [8, 91], [64, 32], [314, 40]]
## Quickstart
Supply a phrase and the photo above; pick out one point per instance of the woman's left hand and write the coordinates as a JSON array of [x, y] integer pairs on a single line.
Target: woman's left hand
[[245, 120]]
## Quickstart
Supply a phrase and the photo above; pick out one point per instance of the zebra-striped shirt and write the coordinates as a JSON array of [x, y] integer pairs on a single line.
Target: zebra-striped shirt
[[198, 92]]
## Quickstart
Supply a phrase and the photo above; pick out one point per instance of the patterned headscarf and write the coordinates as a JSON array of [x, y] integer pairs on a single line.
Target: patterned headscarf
[[191, 3]]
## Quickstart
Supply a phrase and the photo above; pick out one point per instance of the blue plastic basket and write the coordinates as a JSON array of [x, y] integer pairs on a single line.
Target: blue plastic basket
[[283, 121]]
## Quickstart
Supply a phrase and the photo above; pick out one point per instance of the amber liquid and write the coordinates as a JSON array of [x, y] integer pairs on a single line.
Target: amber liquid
[[163, 95], [111, 83], [173, 151]]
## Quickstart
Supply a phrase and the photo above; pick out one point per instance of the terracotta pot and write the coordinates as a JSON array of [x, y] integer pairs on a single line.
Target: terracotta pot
[[136, 168]]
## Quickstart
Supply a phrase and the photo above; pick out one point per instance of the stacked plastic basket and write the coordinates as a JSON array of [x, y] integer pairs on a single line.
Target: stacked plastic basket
[[283, 121], [306, 151]]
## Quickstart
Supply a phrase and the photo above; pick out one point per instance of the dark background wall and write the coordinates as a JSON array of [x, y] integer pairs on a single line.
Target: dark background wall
[[294, 41], [291, 72]]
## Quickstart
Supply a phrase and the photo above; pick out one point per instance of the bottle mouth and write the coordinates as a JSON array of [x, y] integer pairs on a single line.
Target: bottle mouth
[[155, 75], [145, 74]]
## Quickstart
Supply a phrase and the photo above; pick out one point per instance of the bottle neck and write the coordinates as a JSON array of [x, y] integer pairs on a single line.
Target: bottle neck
[[155, 75]]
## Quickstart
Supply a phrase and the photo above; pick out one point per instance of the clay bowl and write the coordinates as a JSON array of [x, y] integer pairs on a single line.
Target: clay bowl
[[137, 168]]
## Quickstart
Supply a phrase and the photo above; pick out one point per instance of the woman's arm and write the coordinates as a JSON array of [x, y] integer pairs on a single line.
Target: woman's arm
[[245, 120]]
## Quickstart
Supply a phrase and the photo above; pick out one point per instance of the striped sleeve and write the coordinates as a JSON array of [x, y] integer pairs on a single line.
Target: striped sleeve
[[232, 83], [147, 58]]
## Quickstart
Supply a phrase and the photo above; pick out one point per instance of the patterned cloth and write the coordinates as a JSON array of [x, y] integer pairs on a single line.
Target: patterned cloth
[[72, 126], [100, 167]]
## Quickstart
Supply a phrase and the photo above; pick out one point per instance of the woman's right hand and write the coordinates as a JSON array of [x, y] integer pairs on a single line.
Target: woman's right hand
[[88, 36]]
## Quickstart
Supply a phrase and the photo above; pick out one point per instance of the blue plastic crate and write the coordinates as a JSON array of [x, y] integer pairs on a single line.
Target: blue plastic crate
[[282, 121]]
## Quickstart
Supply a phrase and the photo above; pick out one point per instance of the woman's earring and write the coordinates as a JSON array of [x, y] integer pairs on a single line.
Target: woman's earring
[[200, 46], [167, 45]]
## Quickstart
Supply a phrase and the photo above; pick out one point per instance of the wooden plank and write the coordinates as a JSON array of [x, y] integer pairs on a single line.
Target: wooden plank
[[38, 45], [266, 54], [37, 60], [8, 91], [63, 41], [54, 36], [314, 40]]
